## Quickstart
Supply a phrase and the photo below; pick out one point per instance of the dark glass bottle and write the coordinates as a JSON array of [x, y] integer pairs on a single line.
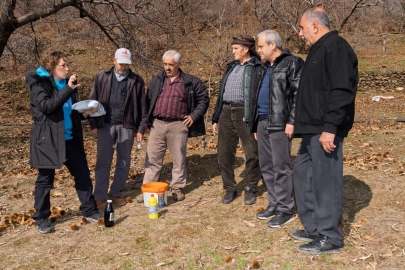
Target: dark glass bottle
[[109, 214]]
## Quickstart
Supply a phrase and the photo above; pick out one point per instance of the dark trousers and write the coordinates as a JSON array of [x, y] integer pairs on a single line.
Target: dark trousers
[[231, 127], [274, 157], [77, 166], [112, 136], [318, 185]]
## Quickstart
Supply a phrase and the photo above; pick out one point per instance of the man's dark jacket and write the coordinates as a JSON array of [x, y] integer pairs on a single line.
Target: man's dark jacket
[[246, 87], [284, 80], [47, 142], [328, 86], [135, 110], [197, 100]]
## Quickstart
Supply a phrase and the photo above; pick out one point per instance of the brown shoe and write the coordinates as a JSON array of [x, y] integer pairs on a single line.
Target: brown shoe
[[139, 198], [101, 203], [177, 194], [118, 200]]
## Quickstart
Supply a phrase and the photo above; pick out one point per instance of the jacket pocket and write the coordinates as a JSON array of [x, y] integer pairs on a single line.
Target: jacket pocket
[[39, 130], [45, 150]]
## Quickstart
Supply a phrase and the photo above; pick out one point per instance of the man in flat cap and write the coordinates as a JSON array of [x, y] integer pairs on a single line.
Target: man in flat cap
[[229, 121]]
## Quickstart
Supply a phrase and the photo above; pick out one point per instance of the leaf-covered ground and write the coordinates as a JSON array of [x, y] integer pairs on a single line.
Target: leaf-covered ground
[[200, 232]]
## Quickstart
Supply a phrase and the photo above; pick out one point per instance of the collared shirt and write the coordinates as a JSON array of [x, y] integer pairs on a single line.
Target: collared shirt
[[119, 76], [234, 85], [172, 101]]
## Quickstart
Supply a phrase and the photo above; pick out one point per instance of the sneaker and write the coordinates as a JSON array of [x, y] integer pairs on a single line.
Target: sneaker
[[177, 194], [250, 196], [269, 212], [43, 225], [303, 236], [279, 220], [229, 197], [319, 246], [101, 203], [139, 198], [118, 200], [95, 217]]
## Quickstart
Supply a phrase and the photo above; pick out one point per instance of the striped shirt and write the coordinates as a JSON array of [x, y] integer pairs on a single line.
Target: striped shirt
[[234, 85], [172, 101]]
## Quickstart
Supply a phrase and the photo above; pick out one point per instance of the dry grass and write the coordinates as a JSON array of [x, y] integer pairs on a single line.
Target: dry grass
[[200, 232]]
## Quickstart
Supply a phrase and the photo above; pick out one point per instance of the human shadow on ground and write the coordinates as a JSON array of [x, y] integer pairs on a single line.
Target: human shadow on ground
[[356, 196], [200, 168]]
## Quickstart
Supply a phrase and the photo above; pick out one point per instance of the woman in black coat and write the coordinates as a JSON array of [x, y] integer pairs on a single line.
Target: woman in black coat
[[56, 137]]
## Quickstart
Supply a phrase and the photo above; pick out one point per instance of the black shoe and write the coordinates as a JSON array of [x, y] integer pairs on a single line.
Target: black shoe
[[95, 217], [268, 213], [280, 219], [43, 225], [319, 246], [250, 196], [303, 236], [229, 197]]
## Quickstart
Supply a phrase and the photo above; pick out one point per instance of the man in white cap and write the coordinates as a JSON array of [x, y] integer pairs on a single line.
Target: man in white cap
[[122, 93]]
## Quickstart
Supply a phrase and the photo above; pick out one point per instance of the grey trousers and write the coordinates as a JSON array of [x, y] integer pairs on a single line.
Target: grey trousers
[[318, 185], [231, 127], [108, 136], [172, 136], [274, 158]]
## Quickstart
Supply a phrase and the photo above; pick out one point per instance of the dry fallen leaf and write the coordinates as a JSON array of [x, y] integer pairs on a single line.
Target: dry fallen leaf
[[345, 217], [369, 237], [250, 224], [388, 253], [163, 264], [255, 264], [57, 194], [362, 258], [228, 259]]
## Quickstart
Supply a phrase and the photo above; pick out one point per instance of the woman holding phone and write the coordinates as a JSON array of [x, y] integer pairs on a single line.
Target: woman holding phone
[[57, 137]]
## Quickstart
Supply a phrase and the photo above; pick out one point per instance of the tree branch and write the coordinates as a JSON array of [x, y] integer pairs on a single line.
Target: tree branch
[[91, 17], [355, 7], [33, 16]]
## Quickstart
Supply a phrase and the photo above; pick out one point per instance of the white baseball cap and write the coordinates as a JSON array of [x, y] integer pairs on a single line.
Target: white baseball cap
[[123, 56]]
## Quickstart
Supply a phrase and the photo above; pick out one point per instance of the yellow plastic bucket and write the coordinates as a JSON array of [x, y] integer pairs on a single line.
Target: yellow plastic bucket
[[159, 189]]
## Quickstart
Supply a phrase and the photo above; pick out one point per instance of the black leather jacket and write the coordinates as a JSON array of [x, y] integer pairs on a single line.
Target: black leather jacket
[[284, 80]]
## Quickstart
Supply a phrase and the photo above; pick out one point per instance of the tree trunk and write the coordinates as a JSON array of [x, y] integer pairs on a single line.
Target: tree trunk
[[7, 21]]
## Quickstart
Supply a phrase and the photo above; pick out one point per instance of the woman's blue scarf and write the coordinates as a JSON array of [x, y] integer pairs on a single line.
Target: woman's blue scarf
[[67, 107]]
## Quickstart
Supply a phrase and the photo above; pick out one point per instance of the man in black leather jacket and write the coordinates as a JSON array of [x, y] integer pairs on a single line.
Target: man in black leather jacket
[[273, 92]]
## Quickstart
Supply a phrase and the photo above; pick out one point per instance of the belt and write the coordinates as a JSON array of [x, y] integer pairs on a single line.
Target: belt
[[234, 104], [167, 119]]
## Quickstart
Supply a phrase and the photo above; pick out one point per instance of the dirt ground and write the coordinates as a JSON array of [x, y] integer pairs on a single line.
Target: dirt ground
[[200, 232]]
